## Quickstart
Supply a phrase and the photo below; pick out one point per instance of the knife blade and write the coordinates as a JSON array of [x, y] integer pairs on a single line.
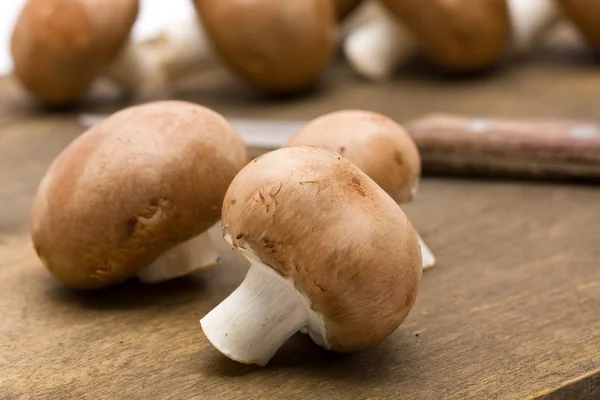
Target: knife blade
[[257, 134]]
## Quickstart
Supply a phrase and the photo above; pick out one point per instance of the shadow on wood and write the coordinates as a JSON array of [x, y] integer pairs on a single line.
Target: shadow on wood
[[132, 294], [300, 354]]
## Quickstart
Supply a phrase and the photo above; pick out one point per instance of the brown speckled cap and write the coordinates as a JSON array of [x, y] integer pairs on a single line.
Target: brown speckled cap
[[316, 219], [142, 181]]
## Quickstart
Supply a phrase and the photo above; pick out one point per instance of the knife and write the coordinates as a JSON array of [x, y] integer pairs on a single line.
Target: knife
[[531, 148]]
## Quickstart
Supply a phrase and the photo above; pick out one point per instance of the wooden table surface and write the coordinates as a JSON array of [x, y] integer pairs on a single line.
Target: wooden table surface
[[511, 311]]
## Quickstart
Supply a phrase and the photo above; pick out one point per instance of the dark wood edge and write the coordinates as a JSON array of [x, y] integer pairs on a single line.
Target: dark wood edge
[[585, 387]]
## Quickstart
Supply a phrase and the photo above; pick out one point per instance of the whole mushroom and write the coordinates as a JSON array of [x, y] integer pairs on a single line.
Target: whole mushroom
[[331, 254], [585, 15], [462, 35], [60, 47], [377, 145], [279, 47], [135, 195], [465, 36]]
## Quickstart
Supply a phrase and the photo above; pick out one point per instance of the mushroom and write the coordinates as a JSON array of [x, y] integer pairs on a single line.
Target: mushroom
[[182, 49], [585, 15], [135, 194], [275, 46], [59, 47], [465, 36], [331, 254], [474, 37], [377, 145]]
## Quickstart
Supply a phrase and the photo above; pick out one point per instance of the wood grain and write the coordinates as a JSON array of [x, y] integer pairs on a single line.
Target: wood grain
[[510, 312]]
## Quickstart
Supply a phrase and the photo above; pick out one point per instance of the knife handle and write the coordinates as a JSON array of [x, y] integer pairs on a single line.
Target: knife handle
[[527, 148]]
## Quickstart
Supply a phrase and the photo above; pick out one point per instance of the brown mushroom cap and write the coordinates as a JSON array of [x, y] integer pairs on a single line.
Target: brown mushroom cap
[[132, 187], [376, 144], [275, 46], [344, 8], [60, 46], [585, 14], [459, 35], [318, 220]]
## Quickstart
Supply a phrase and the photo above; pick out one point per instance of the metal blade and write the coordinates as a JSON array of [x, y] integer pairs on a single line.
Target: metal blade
[[258, 134]]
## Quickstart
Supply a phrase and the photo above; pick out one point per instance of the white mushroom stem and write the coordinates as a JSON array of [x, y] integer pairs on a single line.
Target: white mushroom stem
[[179, 50], [380, 45], [531, 21], [428, 259], [183, 49], [252, 323], [197, 253], [134, 68]]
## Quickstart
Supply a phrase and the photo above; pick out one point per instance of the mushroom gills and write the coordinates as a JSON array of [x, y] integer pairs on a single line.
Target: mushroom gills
[[194, 254], [266, 310]]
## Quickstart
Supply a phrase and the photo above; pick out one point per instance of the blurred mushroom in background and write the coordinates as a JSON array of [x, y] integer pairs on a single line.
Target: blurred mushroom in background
[[60, 47], [274, 47], [463, 37]]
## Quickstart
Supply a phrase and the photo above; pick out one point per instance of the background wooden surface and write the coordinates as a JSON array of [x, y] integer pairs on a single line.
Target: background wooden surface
[[510, 312]]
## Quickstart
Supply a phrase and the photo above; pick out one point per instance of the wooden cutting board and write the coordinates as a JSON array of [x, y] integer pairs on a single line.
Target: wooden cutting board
[[511, 311]]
